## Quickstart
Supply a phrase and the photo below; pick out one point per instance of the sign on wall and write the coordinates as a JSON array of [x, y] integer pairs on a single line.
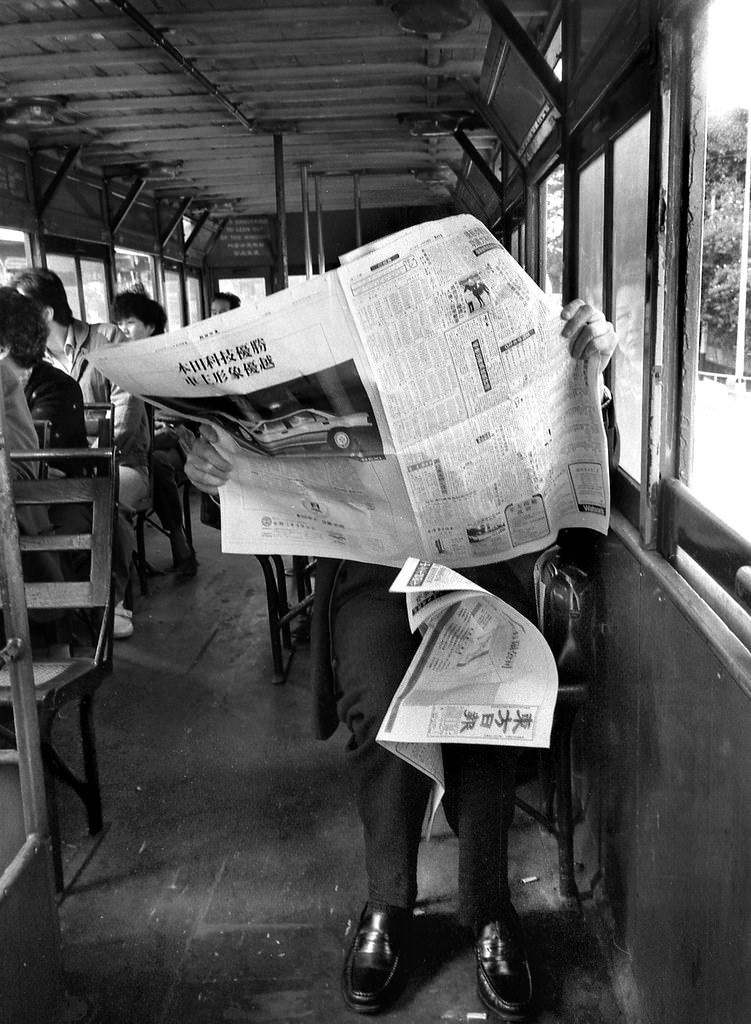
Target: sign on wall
[[244, 240]]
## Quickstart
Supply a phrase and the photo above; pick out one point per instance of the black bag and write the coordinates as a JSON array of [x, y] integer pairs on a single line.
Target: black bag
[[211, 512]]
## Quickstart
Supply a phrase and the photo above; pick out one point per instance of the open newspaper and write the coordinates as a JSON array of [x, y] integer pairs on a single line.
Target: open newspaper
[[483, 673], [417, 401]]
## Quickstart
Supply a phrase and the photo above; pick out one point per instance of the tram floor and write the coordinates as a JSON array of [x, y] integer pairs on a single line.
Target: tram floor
[[229, 875]]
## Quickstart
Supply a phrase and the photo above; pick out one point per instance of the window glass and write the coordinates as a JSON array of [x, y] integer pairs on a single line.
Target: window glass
[[15, 253], [94, 284], [193, 294], [591, 230], [173, 304], [631, 186], [248, 289], [551, 247], [515, 244], [135, 270], [721, 416], [65, 268]]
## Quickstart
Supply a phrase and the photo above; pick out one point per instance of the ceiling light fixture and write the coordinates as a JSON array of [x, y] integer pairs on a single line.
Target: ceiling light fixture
[[148, 170], [30, 112], [434, 18]]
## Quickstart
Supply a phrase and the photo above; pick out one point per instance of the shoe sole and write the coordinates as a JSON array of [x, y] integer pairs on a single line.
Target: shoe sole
[[512, 1016]]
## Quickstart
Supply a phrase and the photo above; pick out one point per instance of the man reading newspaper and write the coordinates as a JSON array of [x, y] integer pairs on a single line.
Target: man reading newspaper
[[361, 647]]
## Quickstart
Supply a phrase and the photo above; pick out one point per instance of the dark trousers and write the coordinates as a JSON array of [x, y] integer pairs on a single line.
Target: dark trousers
[[167, 475], [371, 650]]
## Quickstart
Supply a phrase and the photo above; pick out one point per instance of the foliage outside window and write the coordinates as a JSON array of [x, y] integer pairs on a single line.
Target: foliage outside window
[[551, 248], [629, 271], [721, 414]]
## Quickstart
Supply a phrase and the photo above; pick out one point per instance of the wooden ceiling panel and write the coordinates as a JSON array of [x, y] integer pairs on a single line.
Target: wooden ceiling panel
[[206, 85]]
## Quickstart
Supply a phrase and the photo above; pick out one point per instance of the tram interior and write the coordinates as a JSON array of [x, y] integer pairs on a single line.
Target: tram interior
[[190, 148]]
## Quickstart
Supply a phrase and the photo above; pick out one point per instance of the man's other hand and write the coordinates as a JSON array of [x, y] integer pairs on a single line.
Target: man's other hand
[[587, 332], [206, 468]]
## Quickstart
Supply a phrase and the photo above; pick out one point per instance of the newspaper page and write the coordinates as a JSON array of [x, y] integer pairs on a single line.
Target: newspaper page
[[418, 401], [483, 673]]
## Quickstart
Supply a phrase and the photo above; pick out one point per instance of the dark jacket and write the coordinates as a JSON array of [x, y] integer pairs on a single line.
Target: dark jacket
[[53, 395]]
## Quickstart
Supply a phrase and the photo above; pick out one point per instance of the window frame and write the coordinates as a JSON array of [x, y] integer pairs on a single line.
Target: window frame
[[77, 250], [699, 545], [636, 95]]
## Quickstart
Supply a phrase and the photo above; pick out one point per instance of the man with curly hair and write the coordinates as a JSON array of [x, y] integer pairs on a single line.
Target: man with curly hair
[[139, 316]]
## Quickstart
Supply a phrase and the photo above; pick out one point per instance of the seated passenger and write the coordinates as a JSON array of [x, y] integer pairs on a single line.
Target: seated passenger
[[138, 317], [69, 342], [361, 649], [50, 394], [223, 302], [18, 316], [18, 426], [53, 396]]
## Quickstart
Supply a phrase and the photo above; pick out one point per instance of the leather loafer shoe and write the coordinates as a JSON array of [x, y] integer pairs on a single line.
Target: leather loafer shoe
[[504, 981], [375, 966]]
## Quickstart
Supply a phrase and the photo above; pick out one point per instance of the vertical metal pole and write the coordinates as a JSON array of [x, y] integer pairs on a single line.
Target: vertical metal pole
[[306, 218], [319, 221], [358, 210], [282, 270]]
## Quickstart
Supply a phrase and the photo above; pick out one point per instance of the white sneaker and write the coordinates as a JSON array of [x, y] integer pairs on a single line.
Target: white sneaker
[[123, 622]]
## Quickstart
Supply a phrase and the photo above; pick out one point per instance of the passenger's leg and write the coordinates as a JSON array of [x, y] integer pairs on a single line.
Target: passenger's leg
[[479, 806], [133, 490], [372, 648], [166, 467]]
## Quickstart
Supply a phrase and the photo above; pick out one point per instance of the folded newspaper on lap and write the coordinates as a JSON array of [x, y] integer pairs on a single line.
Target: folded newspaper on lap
[[417, 401], [483, 673]]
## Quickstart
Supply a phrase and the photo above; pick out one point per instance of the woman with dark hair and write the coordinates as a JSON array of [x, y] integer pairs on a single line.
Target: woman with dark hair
[[21, 323], [50, 393]]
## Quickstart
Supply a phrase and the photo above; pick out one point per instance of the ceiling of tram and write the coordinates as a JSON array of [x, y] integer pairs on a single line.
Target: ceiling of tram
[[202, 98]]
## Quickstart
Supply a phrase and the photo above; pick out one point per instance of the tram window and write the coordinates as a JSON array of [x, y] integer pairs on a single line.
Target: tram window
[[193, 295], [721, 415], [135, 270], [85, 282], [551, 245], [248, 289], [15, 253], [65, 268], [631, 186], [516, 243], [173, 300], [93, 277], [592, 232]]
